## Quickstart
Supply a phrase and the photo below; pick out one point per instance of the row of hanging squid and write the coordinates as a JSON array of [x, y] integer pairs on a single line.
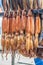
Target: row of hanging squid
[[20, 32], [23, 4]]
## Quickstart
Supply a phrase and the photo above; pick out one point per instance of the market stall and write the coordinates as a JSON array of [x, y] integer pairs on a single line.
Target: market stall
[[22, 29]]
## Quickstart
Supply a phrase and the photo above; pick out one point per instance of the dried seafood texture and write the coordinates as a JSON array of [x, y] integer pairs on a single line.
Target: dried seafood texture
[[24, 4], [40, 4], [27, 42], [32, 25], [17, 22], [8, 5], [20, 4], [35, 5], [14, 5], [12, 43], [4, 4], [16, 41], [22, 47], [5, 25], [23, 20], [28, 4], [22, 41], [31, 4], [28, 23], [31, 43], [38, 25], [10, 22], [3, 43], [13, 24], [19, 40], [7, 44], [36, 41]]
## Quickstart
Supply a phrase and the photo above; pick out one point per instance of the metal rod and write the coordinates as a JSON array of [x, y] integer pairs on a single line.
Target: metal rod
[[13, 59]]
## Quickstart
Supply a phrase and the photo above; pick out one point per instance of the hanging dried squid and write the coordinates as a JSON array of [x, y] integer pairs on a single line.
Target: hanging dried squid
[[37, 30], [23, 20], [38, 25], [7, 44], [5, 24], [36, 41], [17, 21], [28, 32], [35, 4], [5, 29], [31, 4]]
